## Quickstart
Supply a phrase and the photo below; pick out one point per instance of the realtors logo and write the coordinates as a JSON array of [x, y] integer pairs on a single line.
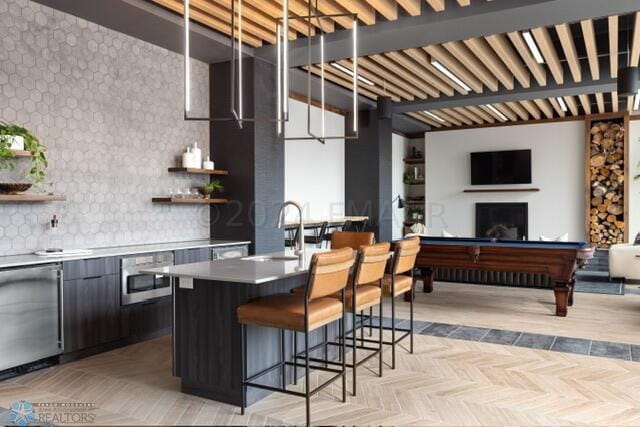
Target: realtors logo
[[21, 413]]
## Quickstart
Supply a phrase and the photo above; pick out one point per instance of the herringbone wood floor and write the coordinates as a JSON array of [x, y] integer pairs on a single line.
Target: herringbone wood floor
[[446, 382]]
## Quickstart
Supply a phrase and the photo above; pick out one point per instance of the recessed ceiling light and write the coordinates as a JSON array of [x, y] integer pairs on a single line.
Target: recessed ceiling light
[[434, 116], [533, 47], [444, 70], [563, 105], [636, 104], [497, 112], [349, 72]]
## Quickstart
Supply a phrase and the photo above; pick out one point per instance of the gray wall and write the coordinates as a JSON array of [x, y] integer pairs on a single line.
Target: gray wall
[[109, 109]]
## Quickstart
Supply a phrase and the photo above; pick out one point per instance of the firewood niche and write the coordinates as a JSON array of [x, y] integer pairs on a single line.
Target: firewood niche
[[605, 182]]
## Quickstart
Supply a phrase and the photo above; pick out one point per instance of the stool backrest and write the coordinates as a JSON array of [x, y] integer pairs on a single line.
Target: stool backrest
[[351, 239], [329, 273], [371, 263], [404, 256]]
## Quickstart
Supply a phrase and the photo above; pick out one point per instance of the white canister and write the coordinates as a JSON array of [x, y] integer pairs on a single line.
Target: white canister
[[197, 155], [208, 164], [187, 158]]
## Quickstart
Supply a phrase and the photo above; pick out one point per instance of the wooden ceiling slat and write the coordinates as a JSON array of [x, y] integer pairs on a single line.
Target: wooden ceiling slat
[[366, 14], [332, 75], [208, 20], [433, 86], [386, 8], [493, 114], [464, 2], [408, 91], [557, 107], [447, 117], [470, 115], [471, 62], [592, 49], [614, 102], [437, 5], [482, 50], [481, 113], [572, 104], [401, 72], [458, 116], [600, 103], [635, 46], [511, 59], [424, 119], [448, 60], [532, 108], [326, 7], [586, 103], [411, 6], [519, 110], [630, 103], [382, 87], [506, 111], [613, 46], [537, 70], [442, 83], [545, 107], [569, 48], [274, 10], [545, 44]]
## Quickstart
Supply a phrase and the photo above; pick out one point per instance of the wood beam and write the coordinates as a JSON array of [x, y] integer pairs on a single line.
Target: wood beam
[[569, 47], [503, 49], [614, 102], [506, 111], [557, 107], [447, 117], [481, 113], [538, 71], [462, 53], [458, 116], [384, 78], [437, 5], [532, 108], [549, 52], [613, 46], [493, 63], [411, 6], [410, 79], [431, 86], [600, 103], [332, 75], [635, 46], [464, 3], [545, 107], [424, 119], [519, 110], [572, 104], [586, 103], [386, 8], [592, 49], [421, 57], [274, 10], [469, 115], [493, 114], [366, 13], [448, 60]]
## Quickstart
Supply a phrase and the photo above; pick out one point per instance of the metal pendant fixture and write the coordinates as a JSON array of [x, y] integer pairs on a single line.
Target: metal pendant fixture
[[236, 109], [283, 98]]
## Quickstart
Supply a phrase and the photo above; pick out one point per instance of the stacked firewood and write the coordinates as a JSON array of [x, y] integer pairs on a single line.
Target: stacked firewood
[[607, 184]]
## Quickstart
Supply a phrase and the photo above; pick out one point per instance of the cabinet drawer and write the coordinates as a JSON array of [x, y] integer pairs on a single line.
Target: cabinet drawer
[[90, 268]]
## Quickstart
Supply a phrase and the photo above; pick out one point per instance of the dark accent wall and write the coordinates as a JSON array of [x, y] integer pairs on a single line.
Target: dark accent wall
[[368, 170], [253, 155]]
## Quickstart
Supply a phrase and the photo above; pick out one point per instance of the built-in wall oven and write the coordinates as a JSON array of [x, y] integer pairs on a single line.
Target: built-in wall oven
[[138, 287]]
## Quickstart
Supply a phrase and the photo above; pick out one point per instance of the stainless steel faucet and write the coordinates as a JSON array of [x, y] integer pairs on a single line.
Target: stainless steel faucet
[[298, 247]]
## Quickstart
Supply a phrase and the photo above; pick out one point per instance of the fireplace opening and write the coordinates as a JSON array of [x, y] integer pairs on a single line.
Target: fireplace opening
[[505, 221]]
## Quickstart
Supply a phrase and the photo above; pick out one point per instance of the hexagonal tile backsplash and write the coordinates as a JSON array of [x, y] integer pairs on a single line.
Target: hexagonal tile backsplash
[[109, 109]]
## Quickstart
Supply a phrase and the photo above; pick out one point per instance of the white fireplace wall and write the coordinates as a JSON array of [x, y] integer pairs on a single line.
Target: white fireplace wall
[[557, 157]]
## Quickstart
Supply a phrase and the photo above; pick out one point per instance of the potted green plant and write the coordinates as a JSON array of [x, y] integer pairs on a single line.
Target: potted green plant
[[9, 133], [208, 189]]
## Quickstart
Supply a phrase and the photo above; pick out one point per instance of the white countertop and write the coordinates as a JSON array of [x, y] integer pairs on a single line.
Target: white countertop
[[30, 259], [241, 270]]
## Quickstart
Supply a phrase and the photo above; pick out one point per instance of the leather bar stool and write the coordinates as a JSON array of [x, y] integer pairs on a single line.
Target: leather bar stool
[[351, 239], [317, 307], [397, 283]]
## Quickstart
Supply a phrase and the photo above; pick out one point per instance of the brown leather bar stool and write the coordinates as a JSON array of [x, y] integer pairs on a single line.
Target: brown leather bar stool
[[397, 283], [351, 239], [317, 307]]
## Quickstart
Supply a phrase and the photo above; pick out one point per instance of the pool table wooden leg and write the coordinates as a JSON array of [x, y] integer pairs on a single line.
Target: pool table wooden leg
[[562, 291], [572, 285], [427, 280]]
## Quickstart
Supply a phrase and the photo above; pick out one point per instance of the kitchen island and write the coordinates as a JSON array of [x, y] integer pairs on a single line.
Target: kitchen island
[[206, 334]]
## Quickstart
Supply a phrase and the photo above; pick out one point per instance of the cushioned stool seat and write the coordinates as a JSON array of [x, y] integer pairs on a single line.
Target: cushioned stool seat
[[402, 284]]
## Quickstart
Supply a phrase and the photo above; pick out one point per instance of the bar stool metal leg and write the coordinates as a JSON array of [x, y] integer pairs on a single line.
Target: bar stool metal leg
[[343, 349], [244, 367], [413, 295], [283, 356], [307, 380], [355, 334], [380, 330], [393, 323]]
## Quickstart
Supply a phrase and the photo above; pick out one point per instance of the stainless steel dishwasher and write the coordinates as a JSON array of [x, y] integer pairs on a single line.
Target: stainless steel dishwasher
[[30, 314]]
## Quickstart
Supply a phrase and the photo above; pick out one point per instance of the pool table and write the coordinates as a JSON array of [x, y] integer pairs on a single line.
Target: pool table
[[558, 260]]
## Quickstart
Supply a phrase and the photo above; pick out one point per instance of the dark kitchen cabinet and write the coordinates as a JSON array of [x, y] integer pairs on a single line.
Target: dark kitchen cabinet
[[147, 318], [91, 308], [188, 256]]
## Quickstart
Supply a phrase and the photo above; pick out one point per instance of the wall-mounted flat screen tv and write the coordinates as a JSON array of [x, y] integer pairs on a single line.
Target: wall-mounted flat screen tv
[[501, 167]]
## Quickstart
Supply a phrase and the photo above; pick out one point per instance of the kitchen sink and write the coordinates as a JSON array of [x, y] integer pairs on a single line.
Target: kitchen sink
[[265, 258]]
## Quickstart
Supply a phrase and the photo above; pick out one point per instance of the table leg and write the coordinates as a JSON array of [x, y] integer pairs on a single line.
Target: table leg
[[572, 285], [427, 280], [409, 295], [561, 291]]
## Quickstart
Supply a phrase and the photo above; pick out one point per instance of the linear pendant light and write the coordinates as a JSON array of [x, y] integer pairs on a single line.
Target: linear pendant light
[[444, 70], [497, 112], [350, 73], [533, 47], [434, 116], [563, 105], [237, 70]]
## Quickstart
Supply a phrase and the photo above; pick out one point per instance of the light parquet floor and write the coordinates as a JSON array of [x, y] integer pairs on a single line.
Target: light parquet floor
[[445, 382]]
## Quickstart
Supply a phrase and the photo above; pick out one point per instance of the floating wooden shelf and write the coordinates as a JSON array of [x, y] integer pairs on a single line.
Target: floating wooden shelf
[[31, 198], [414, 202], [500, 190], [180, 200], [414, 161], [414, 183], [200, 171], [22, 153]]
